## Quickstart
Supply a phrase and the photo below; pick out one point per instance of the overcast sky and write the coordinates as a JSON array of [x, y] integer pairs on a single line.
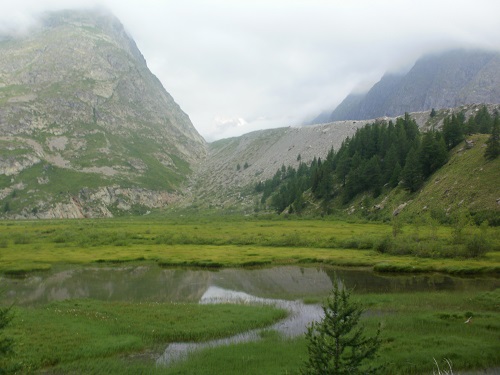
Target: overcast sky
[[235, 66]]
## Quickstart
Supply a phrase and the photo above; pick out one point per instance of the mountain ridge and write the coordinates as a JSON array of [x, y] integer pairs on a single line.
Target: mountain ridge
[[218, 183], [80, 110], [443, 80]]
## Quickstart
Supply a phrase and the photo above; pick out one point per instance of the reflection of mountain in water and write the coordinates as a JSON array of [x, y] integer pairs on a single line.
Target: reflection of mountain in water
[[151, 283]]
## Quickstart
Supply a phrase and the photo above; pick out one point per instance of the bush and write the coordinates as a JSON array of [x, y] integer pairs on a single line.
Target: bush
[[385, 245], [476, 246], [22, 239]]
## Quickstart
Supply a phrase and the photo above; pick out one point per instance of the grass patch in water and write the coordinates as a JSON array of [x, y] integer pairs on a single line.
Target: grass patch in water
[[88, 336], [74, 332], [416, 327]]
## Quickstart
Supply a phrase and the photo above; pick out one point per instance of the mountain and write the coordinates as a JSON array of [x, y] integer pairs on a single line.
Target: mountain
[[85, 128], [437, 81], [218, 182]]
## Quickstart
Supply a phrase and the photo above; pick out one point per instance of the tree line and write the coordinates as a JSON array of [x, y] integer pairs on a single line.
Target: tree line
[[380, 155]]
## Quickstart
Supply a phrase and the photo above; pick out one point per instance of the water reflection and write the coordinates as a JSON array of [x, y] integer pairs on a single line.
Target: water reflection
[[299, 317], [152, 283]]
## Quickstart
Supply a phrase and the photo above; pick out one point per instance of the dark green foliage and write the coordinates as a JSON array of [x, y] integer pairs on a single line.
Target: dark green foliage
[[493, 143], [337, 344], [432, 153], [453, 131], [477, 246], [6, 343], [412, 172], [378, 157], [483, 121]]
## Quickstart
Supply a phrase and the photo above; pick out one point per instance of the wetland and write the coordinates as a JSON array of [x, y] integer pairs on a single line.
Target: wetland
[[222, 296]]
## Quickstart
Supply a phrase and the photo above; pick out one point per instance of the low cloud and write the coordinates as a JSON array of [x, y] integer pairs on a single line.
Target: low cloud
[[268, 64]]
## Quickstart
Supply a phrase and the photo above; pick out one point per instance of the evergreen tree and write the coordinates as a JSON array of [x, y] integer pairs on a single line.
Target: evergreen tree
[[452, 131], [372, 175], [412, 176], [299, 203], [471, 126], [343, 167], [432, 153], [396, 173], [389, 163], [493, 142], [337, 344], [484, 121]]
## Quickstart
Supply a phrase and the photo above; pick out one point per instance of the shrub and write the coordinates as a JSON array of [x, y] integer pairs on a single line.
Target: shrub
[[476, 246], [22, 239], [385, 245]]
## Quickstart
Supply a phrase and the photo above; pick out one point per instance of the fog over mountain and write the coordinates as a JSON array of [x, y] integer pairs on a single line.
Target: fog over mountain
[[443, 80], [85, 128], [239, 66]]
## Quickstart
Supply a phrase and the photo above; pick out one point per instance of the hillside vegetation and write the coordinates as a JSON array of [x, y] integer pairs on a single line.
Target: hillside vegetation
[[385, 166]]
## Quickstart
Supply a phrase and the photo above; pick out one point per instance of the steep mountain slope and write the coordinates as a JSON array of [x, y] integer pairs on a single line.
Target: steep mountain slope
[[438, 81], [218, 183], [85, 128], [468, 181]]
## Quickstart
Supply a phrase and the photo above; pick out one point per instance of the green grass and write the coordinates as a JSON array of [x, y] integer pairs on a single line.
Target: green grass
[[415, 329], [88, 330], [468, 181], [235, 242], [125, 338]]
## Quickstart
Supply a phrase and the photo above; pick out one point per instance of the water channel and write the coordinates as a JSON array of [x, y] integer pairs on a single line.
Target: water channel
[[284, 287]]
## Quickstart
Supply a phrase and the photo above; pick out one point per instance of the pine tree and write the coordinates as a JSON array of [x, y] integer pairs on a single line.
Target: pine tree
[[483, 120], [412, 176], [337, 344], [493, 142], [433, 153], [453, 131]]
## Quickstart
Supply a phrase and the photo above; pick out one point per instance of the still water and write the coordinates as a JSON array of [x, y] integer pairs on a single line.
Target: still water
[[152, 283], [283, 287]]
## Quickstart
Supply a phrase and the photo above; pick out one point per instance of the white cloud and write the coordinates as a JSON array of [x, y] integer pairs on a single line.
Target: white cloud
[[282, 60]]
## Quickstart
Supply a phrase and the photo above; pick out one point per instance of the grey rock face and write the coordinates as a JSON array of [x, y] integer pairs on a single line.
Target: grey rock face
[[78, 103], [439, 81]]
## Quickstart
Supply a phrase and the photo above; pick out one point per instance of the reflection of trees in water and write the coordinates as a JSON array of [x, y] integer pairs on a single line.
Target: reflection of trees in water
[[152, 283], [367, 281]]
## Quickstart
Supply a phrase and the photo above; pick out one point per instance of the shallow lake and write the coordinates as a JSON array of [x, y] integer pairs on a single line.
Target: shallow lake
[[152, 283], [283, 287]]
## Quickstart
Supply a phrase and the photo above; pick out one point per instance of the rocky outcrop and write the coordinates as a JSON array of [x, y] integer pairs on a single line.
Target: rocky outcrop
[[85, 127], [102, 202]]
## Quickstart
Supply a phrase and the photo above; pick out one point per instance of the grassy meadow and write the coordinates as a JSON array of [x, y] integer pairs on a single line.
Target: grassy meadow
[[86, 336], [90, 336], [238, 242]]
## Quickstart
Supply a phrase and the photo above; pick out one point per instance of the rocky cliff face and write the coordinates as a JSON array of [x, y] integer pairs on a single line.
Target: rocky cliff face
[[439, 81], [80, 113]]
